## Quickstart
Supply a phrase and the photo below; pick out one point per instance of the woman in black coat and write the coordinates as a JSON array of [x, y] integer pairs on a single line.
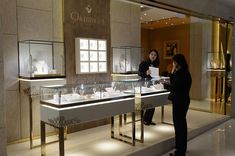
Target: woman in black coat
[[181, 80], [144, 72]]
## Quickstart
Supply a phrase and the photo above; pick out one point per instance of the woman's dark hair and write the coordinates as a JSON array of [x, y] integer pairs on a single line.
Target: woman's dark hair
[[157, 59], [180, 59]]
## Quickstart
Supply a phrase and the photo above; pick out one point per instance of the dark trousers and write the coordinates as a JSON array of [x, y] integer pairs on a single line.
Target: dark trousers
[[148, 115], [180, 124]]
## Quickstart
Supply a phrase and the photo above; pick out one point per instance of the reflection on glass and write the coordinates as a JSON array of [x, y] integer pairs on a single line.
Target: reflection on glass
[[102, 67], [81, 90], [84, 67], [93, 67], [83, 44], [102, 45], [93, 44], [84, 55], [94, 90], [74, 90], [93, 56], [146, 83], [102, 56], [113, 86]]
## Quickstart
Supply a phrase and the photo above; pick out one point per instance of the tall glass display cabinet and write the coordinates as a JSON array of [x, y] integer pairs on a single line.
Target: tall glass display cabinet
[[125, 62], [41, 59], [40, 63]]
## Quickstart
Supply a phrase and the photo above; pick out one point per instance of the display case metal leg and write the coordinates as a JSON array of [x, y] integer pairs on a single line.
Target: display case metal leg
[[120, 124], [133, 128], [112, 127], [142, 126], [125, 118], [61, 140], [162, 114], [43, 139], [30, 122]]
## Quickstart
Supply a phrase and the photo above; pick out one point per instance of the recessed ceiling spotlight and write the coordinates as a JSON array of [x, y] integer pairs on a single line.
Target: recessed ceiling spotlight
[[166, 23], [183, 22], [172, 24], [141, 6], [151, 19], [141, 18], [145, 14]]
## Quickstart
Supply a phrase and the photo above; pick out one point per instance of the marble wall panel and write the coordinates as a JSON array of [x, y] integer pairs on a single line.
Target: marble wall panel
[[9, 24], [120, 11], [1, 16], [1, 49], [10, 50], [135, 36], [11, 100], [2, 106], [57, 13], [34, 24], [120, 34], [36, 4], [3, 151], [125, 24]]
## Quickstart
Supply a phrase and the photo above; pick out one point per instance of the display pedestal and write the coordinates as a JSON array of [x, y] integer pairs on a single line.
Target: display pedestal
[[67, 116], [30, 106]]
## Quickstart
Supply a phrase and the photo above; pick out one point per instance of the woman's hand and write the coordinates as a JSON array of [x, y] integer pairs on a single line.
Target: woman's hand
[[148, 72], [173, 68]]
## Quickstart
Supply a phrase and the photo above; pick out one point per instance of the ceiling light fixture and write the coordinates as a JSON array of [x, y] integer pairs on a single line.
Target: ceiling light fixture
[[145, 14]]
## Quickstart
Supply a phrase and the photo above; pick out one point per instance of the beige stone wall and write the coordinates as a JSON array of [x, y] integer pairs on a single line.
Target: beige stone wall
[[125, 24], [24, 20], [8, 81], [200, 45], [6, 16]]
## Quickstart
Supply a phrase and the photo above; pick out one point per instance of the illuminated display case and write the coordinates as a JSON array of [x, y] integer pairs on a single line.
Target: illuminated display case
[[215, 60], [91, 55], [72, 95], [41, 59], [126, 59]]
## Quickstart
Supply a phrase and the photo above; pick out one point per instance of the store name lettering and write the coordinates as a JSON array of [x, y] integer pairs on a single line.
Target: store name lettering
[[76, 17]]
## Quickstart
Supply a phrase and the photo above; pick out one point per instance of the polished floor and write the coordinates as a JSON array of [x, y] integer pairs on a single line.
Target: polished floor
[[97, 141], [219, 141]]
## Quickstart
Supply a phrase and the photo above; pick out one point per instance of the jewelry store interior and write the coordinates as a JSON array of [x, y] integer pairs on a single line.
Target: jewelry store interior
[[78, 86]]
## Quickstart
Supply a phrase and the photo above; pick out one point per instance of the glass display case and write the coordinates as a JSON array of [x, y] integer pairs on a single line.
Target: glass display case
[[126, 59], [145, 87], [72, 95], [215, 60], [41, 59]]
